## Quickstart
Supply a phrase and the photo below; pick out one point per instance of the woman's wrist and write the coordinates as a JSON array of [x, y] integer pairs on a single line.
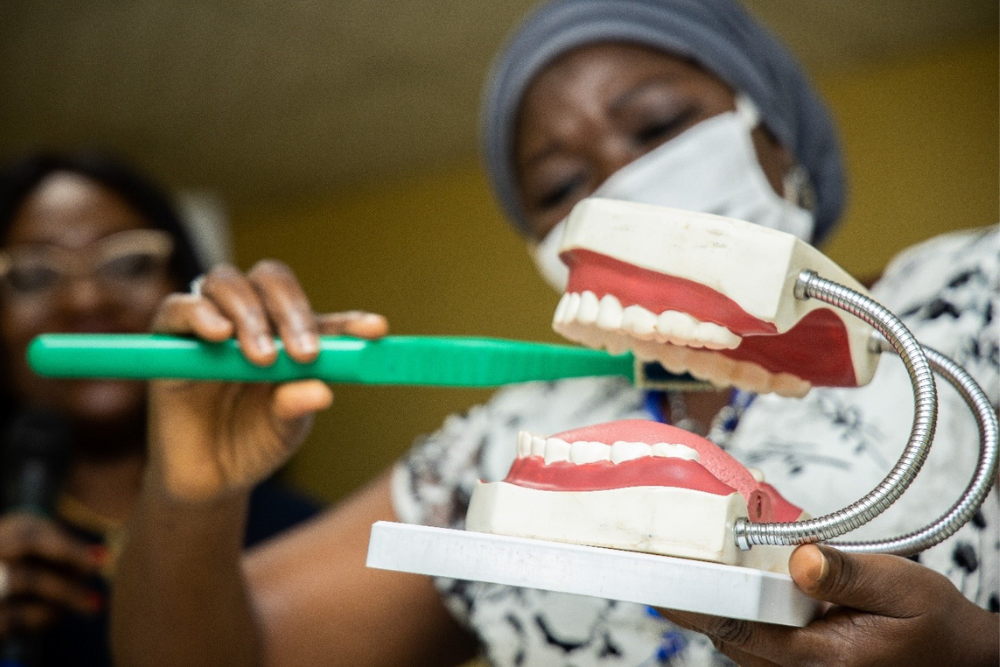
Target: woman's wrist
[[206, 523], [189, 482]]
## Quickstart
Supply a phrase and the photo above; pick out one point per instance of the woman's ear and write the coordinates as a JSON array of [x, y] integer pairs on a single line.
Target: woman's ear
[[798, 188], [775, 159]]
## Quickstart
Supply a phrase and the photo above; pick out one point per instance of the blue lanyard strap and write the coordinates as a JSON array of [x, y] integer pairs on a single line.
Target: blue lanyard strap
[[654, 405], [673, 641]]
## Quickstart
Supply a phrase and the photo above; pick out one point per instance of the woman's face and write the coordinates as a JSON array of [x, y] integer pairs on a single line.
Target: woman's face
[[597, 108], [82, 268]]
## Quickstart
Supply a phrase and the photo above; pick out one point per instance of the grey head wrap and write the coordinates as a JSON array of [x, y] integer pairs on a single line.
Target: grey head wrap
[[718, 34]]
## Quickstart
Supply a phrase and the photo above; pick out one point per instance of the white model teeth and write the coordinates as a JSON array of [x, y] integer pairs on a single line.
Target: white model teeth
[[716, 337], [588, 452], [676, 327], [609, 315], [674, 451], [561, 309], [553, 450], [537, 446], [678, 341], [589, 308], [627, 451], [556, 450], [523, 444], [721, 370], [635, 319], [572, 306], [669, 326]]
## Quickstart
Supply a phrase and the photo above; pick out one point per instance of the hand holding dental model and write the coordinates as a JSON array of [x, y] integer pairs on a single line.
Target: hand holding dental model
[[883, 610]]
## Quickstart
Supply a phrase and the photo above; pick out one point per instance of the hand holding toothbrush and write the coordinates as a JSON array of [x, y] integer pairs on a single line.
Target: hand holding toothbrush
[[207, 438]]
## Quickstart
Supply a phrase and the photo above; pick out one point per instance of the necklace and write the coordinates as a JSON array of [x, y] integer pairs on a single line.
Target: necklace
[[723, 425], [679, 414]]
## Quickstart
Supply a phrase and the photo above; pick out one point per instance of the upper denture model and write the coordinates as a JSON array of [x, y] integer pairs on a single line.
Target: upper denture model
[[634, 485], [707, 295]]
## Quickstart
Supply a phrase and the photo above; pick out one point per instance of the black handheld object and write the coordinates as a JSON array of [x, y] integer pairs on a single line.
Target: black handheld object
[[34, 460]]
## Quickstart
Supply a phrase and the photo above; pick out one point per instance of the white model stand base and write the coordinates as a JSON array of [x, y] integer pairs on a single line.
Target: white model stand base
[[659, 581]]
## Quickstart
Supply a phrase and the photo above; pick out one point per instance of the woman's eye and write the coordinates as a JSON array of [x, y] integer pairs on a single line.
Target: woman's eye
[[560, 193], [32, 278], [658, 130], [653, 132]]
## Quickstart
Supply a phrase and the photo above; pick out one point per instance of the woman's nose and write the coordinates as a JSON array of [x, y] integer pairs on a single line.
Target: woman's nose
[[82, 294], [613, 154]]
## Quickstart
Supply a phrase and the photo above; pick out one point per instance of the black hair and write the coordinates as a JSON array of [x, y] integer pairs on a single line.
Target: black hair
[[19, 179]]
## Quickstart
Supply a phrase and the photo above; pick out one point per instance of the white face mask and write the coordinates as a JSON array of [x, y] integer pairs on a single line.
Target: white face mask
[[711, 168]]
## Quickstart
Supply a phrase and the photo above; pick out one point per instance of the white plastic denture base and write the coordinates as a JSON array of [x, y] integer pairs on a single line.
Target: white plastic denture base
[[661, 581], [670, 521], [754, 266]]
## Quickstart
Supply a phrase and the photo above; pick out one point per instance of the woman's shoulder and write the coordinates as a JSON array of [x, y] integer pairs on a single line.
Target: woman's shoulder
[[964, 261]]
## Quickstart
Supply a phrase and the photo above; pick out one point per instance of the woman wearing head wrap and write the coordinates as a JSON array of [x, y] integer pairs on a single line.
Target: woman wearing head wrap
[[625, 99]]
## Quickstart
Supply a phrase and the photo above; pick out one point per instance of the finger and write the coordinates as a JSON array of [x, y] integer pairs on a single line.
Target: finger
[[742, 658], [295, 400], [680, 618], [190, 314], [292, 408], [287, 308], [877, 583], [353, 323], [24, 616], [34, 581], [237, 299], [27, 535], [762, 642]]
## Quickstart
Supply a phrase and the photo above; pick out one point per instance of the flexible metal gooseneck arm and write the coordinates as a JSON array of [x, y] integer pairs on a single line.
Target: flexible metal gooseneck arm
[[982, 480], [810, 285], [917, 359]]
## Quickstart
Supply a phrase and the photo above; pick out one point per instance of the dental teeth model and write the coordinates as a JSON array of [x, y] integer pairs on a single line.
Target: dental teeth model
[[635, 485], [707, 295]]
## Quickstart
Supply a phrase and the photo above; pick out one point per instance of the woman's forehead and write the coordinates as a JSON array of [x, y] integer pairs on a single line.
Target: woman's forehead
[[71, 210], [610, 67], [599, 74]]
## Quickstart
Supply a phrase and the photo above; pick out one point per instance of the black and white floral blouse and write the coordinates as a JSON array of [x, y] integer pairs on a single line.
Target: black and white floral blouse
[[822, 452]]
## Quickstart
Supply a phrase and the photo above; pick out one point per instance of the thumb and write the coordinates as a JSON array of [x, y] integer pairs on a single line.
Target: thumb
[[876, 583]]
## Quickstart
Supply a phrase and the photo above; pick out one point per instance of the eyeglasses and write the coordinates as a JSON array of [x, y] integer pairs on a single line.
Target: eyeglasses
[[123, 261]]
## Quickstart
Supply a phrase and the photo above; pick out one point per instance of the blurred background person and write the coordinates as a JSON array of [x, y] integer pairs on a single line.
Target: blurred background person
[[87, 245]]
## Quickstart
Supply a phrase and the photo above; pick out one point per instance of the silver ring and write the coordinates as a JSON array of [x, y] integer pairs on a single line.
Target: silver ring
[[4, 580], [195, 287]]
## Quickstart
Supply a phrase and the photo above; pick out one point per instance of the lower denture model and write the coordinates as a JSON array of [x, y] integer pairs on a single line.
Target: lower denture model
[[707, 295], [634, 485]]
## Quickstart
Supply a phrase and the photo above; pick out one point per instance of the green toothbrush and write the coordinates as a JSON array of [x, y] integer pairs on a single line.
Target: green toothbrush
[[393, 360]]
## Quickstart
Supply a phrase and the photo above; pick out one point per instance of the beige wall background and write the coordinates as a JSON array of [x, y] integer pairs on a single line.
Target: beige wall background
[[433, 253]]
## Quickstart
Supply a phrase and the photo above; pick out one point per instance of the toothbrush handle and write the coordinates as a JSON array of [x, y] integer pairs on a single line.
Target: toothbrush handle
[[406, 360]]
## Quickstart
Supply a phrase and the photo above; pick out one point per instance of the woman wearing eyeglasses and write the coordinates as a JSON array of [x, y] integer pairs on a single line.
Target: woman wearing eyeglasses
[[86, 245]]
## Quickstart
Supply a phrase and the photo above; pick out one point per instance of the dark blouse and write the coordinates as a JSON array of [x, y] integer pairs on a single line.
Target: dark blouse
[[82, 641]]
